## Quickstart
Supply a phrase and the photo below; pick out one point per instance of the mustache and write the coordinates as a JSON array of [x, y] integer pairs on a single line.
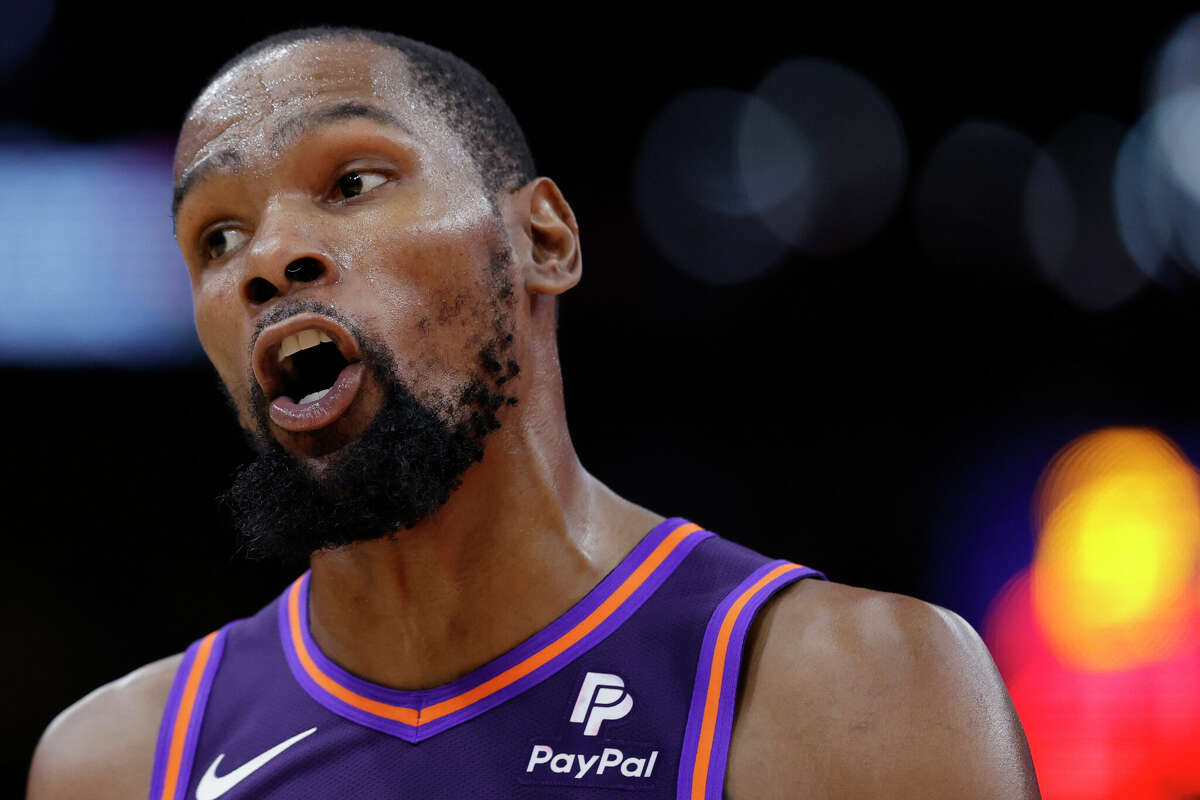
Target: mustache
[[378, 360], [300, 305]]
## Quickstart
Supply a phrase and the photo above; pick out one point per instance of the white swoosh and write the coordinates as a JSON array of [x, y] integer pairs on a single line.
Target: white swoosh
[[211, 786]]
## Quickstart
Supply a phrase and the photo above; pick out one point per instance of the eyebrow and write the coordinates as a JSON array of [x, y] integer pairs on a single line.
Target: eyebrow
[[306, 122], [292, 128]]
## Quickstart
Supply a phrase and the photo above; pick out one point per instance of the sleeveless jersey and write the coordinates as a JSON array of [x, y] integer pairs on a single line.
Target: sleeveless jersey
[[632, 689]]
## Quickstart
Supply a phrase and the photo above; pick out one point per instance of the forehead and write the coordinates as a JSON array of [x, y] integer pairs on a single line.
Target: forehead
[[238, 109]]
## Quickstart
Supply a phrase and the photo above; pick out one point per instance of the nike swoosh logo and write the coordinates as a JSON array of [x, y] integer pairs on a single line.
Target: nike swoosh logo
[[212, 786]]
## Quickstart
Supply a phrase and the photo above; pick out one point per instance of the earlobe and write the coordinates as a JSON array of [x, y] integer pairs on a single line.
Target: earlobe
[[555, 262]]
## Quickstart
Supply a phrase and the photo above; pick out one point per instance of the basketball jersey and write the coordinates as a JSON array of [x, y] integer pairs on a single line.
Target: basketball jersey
[[632, 689]]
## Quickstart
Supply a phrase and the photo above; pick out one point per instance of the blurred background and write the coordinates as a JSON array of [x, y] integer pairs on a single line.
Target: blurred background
[[911, 298]]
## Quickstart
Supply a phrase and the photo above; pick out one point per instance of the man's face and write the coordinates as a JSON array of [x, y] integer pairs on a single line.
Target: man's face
[[323, 201]]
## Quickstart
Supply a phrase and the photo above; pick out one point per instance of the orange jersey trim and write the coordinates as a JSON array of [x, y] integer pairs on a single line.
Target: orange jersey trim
[[414, 717], [713, 695], [183, 716]]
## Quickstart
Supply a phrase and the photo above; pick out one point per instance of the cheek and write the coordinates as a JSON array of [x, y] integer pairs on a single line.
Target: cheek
[[221, 337], [403, 241], [427, 273]]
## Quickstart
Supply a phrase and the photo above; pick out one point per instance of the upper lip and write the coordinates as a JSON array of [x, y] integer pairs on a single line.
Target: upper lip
[[265, 356]]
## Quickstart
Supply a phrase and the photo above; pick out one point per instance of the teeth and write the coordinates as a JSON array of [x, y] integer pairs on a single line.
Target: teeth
[[310, 337], [289, 345], [312, 398]]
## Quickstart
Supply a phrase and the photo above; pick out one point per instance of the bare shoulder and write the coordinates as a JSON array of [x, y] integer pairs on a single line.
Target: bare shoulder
[[103, 745], [855, 693]]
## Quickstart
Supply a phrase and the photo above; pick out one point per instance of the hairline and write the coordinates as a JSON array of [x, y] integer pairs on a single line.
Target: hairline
[[317, 36]]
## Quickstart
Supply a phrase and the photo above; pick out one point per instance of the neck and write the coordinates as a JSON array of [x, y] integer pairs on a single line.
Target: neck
[[527, 534]]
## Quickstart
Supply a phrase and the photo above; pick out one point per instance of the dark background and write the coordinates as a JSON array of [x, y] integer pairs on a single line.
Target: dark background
[[872, 414]]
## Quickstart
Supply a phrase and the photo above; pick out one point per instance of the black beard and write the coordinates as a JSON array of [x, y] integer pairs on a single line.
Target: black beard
[[400, 471]]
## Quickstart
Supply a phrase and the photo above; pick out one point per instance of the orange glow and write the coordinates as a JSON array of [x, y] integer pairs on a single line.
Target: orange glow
[[1118, 735], [1099, 640], [1119, 539]]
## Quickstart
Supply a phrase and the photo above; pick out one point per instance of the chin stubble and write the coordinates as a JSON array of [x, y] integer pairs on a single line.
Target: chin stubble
[[397, 473]]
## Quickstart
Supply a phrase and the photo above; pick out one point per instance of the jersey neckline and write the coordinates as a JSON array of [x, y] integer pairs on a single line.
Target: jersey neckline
[[414, 715]]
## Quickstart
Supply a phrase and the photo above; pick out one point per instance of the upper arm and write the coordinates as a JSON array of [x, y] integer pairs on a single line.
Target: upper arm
[[852, 693], [103, 746]]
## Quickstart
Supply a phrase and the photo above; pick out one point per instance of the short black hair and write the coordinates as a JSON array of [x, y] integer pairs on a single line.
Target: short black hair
[[471, 106]]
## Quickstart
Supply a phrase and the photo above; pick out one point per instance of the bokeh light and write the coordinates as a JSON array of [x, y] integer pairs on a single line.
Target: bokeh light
[[815, 160], [1177, 67], [93, 275], [970, 203], [1158, 176], [848, 148], [1070, 215], [1176, 124], [691, 193], [1146, 201], [1118, 547], [776, 163], [1099, 640], [1129, 734]]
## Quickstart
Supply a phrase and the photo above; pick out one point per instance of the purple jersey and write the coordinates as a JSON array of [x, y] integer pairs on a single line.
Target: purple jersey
[[631, 689]]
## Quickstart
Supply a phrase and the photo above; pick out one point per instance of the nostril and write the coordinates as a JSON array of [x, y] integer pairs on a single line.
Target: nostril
[[260, 290], [304, 269]]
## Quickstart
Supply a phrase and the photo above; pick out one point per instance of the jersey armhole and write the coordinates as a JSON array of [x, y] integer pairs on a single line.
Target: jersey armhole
[[182, 717], [714, 694]]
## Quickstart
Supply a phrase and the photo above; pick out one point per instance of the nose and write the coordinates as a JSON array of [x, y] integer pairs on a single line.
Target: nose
[[284, 256], [306, 269]]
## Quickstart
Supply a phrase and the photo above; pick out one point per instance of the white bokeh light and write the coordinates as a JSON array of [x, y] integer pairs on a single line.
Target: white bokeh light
[[1177, 66], [1145, 199], [93, 274], [1071, 216], [839, 160], [774, 159], [1175, 125], [1157, 208], [691, 195]]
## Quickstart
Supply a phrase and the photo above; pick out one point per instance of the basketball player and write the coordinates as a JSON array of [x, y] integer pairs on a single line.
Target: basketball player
[[375, 267]]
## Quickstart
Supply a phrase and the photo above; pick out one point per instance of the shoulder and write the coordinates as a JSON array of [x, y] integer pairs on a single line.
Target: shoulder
[[103, 745], [852, 692]]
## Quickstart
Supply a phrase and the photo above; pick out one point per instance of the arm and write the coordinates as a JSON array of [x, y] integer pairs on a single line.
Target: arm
[[850, 693], [103, 746]]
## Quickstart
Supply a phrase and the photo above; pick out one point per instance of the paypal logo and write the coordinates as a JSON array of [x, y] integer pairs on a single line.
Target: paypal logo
[[602, 697]]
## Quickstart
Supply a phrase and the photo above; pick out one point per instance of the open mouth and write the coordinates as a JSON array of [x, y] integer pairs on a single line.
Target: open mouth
[[309, 367], [309, 364]]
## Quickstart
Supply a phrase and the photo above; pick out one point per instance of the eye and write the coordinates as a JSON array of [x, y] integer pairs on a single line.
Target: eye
[[220, 242], [352, 184]]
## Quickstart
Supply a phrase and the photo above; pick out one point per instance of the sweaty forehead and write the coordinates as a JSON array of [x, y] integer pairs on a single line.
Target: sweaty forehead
[[236, 109]]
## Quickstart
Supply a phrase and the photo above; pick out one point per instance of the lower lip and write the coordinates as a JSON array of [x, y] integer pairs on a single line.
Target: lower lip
[[290, 416]]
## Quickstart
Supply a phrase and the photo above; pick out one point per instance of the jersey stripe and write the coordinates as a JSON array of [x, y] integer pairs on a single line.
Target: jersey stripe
[[406, 715], [710, 720], [180, 727], [592, 617], [589, 624]]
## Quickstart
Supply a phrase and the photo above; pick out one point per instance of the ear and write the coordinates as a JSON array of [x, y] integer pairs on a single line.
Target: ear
[[554, 264]]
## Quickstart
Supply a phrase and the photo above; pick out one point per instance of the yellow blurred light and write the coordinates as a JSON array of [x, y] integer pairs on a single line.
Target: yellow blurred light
[[1101, 453], [1119, 515]]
